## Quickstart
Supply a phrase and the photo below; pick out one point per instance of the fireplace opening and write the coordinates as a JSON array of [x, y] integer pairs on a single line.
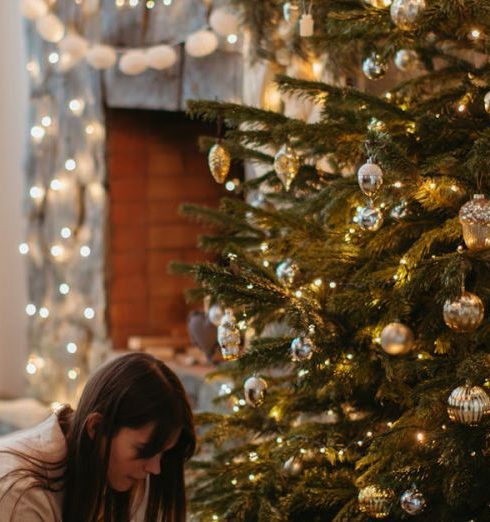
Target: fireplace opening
[[154, 165]]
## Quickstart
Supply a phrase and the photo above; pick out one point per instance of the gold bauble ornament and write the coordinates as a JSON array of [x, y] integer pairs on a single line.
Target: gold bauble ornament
[[286, 165], [219, 161], [474, 217], [396, 339], [375, 502], [404, 13], [255, 389], [468, 404], [465, 313], [229, 338], [370, 178]]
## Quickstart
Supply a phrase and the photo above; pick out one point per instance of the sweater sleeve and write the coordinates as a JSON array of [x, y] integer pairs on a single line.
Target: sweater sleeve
[[27, 504]]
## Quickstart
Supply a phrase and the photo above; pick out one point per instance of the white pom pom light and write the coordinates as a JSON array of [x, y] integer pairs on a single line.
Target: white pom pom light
[[74, 45], [201, 43], [223, 22], [73, 49], [101, 56], [133, 62], [90, 7], [161, 57], [33, 9], [50, 28]]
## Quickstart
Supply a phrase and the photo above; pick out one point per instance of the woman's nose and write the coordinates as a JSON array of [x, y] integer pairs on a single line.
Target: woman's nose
[[153, 465]]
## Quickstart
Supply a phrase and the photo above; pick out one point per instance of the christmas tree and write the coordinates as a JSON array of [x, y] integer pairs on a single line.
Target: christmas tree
[[356, 269]]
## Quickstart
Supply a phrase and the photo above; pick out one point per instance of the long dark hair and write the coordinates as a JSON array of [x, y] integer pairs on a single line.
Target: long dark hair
[[131, 391]]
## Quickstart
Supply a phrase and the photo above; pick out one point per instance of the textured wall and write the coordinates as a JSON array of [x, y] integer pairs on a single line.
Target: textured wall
[[13, 106]]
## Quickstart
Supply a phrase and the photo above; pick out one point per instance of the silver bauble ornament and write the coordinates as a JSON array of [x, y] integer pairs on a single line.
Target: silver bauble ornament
[[406, 59], [486, 102], [370, 178], [255, 389], [370, 218], [474, 217], [465, 313], [399, 211], [374, 67], [412, 501], [404, 13], [286, 165], [396, 339], [229, 338], [293, 466], [375, 502], [286, 272], [468, 404], [302, 349], [215, 314]]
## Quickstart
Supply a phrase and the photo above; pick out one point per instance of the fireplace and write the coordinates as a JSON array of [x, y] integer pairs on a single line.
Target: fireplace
[[153, 166]]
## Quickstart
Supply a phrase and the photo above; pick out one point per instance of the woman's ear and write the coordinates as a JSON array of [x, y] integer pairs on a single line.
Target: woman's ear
[[93, 419]]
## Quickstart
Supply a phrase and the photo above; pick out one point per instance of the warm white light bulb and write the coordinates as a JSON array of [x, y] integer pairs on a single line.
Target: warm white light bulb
[[73, 373], [232, 39], [56, 184], [36, 192], [89, 313], [150, 4], [76, 106], [475, 34], [65, 232], [37, 133], [71, 347], [56, 250], [64, 288], [31, 368], [70, 164], [85, 251], [31, 309], [53, 58]]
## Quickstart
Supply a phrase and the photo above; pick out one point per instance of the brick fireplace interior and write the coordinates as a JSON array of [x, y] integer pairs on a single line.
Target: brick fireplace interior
[[154, 166]]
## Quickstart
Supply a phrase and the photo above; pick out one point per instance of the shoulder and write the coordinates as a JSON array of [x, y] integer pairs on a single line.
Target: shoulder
[[24, 501], [46, 441]]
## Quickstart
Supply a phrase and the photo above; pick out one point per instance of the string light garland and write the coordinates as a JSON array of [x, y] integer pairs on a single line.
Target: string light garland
[[73, 48]]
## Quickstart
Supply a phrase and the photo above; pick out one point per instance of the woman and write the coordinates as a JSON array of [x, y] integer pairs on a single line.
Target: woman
[[119, 457]]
